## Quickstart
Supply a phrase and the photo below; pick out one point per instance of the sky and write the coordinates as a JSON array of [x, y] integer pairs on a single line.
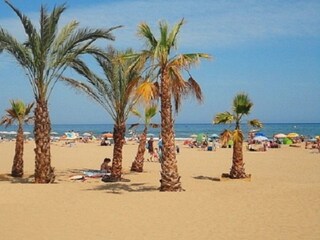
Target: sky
[[268, 49]]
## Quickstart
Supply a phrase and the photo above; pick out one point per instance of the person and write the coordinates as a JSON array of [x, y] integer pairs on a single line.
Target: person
[[156, 155], [150, 148], [160, 144], [177, 149], [105, 142], [159, 153], [105, 165]]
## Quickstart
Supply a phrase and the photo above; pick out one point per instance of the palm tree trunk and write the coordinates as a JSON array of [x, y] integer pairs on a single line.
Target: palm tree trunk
[[44, 173], [237, 169], [137, 164], [17, 167], [118, 136], [170, 179]]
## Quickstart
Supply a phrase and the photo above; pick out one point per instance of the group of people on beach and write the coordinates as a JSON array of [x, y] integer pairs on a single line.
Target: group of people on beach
[[155, 154]]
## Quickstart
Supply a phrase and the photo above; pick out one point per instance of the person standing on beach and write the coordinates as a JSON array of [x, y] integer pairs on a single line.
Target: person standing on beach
[[150, 148]]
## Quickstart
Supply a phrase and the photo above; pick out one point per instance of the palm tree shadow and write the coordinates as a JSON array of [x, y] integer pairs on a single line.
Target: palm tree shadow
[[9, 178], [215, 179], [120, 187]]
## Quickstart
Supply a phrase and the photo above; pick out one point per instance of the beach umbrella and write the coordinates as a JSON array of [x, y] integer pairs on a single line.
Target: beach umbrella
[[150, 135], [193, 135], [292, 135], [200, 137], [87, 134], [259, 134], [260, 138], [280, 135], [215, 135], [287, 141], [107, 135]]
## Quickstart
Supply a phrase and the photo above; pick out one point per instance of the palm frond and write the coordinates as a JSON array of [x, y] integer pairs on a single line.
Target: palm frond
[[49, 27], [136, 112], [242, 104], [195, 88], [150, 112], [64, 34], [225, 136], [172, 39], [237, 135], [10, 45], [188, 59], [33, 36], [145, 32], [255, 123], [224, 117], [147, 91]]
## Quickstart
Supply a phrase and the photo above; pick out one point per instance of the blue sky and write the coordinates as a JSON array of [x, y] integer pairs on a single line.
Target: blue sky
[[268, 49]]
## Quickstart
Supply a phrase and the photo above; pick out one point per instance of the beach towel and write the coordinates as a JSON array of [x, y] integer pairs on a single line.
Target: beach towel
[[95, 173]]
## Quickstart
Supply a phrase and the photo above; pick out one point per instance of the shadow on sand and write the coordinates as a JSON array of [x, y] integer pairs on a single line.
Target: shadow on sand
[[9, 178], [118, 187], [215, 179], [124, 186]]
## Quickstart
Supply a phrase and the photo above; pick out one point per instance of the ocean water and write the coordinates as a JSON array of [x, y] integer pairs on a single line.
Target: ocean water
[[182, 130]]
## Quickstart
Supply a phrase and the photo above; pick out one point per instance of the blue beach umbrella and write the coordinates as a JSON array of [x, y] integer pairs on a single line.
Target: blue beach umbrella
[[215, 135], [260, 138]]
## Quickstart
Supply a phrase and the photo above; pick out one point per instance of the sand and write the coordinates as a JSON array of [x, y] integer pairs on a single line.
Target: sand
[[282, 200]]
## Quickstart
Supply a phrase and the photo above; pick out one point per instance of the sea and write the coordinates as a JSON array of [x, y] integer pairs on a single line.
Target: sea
[[182, 130]]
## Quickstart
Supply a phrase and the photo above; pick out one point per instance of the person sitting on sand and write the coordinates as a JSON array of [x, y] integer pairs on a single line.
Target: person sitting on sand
[[105, 165]]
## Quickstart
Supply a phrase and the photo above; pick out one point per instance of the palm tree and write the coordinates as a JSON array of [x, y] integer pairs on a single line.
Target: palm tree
[[19, 112], [45, 55], [173, 86], [149, 113], [241, 106], [114, 92]]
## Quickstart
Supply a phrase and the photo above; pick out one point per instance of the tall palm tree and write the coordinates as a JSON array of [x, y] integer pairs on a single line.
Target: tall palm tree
[[114, 92], [173, 86], [241, 106], [44, 56], [19, 112], [149, 113]]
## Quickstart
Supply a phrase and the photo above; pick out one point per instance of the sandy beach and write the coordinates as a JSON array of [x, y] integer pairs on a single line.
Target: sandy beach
[[280, 202]]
